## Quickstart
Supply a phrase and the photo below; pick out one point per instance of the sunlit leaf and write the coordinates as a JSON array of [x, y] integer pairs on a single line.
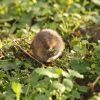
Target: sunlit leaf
[[68, 84], [97, 2], [17, 88], [43, 71], [0, 44], [58, 86], [75, 73]]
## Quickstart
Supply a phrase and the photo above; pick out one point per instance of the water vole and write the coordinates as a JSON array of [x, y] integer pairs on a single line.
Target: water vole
[[47, 45]]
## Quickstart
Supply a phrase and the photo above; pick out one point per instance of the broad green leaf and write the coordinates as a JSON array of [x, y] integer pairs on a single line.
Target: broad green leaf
[[97, 2], [83, 88], [57, 85], [43, 71], [75, 95], [33, 79], [43, 84], [75, 73], [35, 28], [68, 84], [9, 64], [79, 65], [55, 70], [65, 74]]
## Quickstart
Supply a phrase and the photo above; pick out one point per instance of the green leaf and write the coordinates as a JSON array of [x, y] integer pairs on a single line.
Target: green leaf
[[83, 89], [75, 95], [9, 95], [41, 97], [35, 28], [79, 65], [97, 52], [1, 44], [2, 97], [17, 88], [25, 20], [46, 72], [97, 2], [55, 70], [9, 64], [68, 84], [75, 73], [34, 79], [58, 86], [41, 86], [64, 2], [80, 48]]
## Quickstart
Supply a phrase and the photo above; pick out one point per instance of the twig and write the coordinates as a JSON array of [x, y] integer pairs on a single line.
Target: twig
[[96, 80], [16, 44], [92, 85], [13, 28], [1, 54]]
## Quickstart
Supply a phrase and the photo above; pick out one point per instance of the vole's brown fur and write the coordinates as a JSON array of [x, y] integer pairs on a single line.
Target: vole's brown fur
[[47, 45]]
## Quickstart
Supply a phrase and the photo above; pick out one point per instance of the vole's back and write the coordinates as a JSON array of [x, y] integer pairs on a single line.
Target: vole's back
[[47, 45]]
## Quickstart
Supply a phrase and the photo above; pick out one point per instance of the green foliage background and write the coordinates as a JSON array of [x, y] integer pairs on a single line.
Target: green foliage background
[[22, 78]]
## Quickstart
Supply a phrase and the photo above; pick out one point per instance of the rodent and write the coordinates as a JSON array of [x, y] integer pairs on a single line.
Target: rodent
[[47, 45]]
